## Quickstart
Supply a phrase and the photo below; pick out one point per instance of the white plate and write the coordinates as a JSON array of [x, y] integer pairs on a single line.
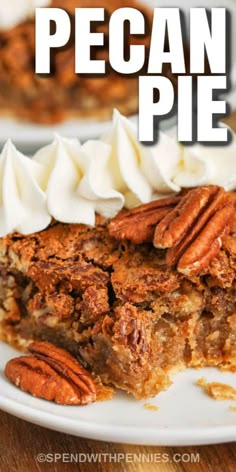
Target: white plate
[[25, 135], [29, 137], [186, 415]]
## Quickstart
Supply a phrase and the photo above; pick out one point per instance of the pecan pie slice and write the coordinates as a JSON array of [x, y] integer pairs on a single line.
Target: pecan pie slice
[[124, 310]]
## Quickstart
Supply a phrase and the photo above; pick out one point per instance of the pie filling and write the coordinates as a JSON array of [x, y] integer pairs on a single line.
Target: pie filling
[[126, 315]]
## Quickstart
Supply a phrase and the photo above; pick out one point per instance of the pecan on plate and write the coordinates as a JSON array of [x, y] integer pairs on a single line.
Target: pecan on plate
[[192, 232], [53, 374], [138, 225]]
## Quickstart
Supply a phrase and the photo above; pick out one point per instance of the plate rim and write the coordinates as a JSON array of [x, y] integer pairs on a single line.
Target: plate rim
[[187, 436]]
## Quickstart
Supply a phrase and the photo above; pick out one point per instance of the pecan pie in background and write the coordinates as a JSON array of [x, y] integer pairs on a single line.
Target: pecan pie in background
[[64, 94], [122, 304]]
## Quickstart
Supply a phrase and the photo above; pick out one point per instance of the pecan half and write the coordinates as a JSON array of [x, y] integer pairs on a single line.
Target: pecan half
[[192, 232], [138, 225], [53, 374]]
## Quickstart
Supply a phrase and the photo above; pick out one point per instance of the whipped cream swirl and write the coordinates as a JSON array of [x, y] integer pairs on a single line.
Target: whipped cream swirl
[[14, 12], [205, 165], [143, 173], [72, 182], [23, 206], [137, 171], [77, 181]]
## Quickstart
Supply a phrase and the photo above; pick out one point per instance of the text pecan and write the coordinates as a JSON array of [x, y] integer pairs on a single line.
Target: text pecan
[[53, 374]]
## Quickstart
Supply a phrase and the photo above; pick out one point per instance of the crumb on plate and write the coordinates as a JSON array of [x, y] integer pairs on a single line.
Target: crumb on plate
[[232, 408], [151, 407], [217, 390]]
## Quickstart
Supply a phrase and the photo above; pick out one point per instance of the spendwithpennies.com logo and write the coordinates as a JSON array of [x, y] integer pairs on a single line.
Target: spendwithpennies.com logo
[[117, 457]]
